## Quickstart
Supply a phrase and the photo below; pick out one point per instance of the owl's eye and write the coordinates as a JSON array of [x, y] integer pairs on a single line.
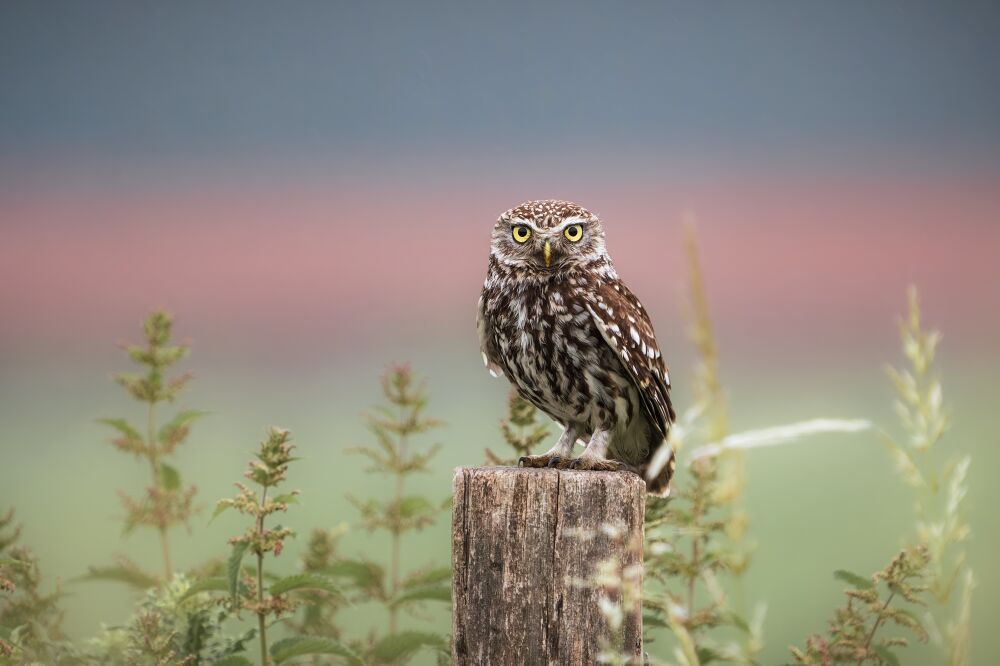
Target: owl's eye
[[573, 233], [521, 233]]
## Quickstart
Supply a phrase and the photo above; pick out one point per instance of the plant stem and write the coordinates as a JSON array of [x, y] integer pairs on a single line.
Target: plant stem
[[696, 512], [261, 624], [878, 621], [396, 536], [154, 462]]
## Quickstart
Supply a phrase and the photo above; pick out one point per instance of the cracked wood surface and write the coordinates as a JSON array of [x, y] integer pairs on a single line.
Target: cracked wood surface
[[522, 541]]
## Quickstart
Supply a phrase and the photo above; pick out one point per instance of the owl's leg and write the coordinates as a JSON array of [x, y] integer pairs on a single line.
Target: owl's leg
[[595, 456], [559, 452]]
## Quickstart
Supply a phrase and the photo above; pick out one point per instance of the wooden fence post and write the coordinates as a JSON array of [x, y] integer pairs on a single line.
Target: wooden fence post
[[522, 542]]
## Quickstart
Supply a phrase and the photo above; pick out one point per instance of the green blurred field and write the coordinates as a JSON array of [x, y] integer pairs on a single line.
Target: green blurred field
[[832, 502]]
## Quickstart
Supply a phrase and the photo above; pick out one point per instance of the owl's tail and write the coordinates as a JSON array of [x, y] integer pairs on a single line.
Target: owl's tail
[[659, 469]]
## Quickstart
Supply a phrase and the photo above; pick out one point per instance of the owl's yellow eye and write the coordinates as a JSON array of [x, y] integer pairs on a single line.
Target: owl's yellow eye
[[521, 233], [573, 232]]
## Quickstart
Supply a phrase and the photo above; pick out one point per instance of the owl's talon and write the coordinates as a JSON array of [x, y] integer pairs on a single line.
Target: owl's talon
[[554, 462], [536, 462], [595, 464]]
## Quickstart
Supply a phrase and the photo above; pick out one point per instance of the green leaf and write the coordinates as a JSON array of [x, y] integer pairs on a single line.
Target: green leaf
[[650, 620], [220, 507], [120, 573], [414, 505], [426, 593], [233, 566], [206, 585], [854, 580], [365, 575], [402, 646], [429, 577], [287, 498], [175, 430], [123, 427], [737, 621], [707, 655], [297, 646], [7, 562], [129, 439], [169, 477], [887, 655], [304, 581], [233, 660]]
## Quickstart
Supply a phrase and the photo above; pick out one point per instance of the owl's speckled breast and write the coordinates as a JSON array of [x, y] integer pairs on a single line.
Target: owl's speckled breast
[[553, 352]]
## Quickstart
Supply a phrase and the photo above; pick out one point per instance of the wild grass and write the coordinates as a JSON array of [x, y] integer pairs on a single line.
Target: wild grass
[[939, 480]]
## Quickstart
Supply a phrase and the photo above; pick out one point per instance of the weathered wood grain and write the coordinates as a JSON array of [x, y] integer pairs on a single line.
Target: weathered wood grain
[[522, 541]]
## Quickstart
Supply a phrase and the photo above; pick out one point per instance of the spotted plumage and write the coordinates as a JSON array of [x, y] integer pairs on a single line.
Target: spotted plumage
[[558, 322]]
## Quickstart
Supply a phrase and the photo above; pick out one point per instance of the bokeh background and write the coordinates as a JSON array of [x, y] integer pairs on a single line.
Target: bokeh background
[[309, 188]]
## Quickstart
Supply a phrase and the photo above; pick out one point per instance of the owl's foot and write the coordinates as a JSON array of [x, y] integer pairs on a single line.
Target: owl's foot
[[543, 460], [597, 464]]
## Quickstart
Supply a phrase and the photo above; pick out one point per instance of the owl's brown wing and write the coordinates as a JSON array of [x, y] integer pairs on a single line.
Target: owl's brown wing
[[626, 328], [491, 359]]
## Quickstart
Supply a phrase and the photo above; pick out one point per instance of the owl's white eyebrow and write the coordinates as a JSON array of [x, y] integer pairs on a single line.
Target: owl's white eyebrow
[[517, 221], [569, 221], [559, 227]]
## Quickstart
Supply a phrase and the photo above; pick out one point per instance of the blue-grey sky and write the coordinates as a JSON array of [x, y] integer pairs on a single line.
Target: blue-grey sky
[[264, 80]]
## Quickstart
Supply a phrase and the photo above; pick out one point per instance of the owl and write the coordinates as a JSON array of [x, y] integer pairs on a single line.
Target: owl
[[558, 322]]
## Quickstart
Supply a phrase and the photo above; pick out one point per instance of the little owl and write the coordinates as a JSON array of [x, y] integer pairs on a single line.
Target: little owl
[[556, 319]]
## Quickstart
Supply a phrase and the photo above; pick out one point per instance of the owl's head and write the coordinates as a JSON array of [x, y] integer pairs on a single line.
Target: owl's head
[[548, 236]]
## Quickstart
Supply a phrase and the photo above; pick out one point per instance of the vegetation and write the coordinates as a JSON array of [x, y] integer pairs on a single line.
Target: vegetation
[[872, 604], [242, 610], [395, 454], [939, 482], [246, 590], [30, 619], [696, 551], [166, 502]]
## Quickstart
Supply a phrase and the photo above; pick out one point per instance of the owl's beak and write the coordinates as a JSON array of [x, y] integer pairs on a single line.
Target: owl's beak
[[548, 254]]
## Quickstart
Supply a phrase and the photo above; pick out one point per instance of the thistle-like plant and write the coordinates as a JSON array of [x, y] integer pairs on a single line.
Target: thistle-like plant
[[521, 430], [30, 619], [939, 483], [175, 624], [246, 589], [856, 634], [396, 454], [167, 502]]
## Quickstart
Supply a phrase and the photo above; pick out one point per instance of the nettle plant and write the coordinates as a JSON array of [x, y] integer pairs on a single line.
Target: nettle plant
[[246, 589], [396, 454], [166, 503], [30, 619]]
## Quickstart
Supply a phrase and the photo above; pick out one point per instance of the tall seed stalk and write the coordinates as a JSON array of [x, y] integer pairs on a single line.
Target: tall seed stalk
[[939, 483]]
